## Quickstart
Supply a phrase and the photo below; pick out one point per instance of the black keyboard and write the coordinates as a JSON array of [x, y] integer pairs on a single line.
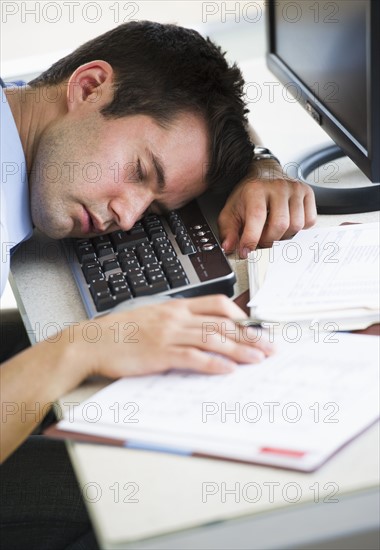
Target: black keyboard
[[175, 254]]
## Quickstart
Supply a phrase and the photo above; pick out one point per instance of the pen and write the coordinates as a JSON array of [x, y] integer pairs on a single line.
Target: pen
[[247, 322]]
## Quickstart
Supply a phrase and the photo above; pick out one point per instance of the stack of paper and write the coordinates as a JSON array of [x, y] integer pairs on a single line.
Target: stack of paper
[[293, 410], [327, 275]]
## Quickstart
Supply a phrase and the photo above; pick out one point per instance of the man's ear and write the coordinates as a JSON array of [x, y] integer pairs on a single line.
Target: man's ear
[[90, 86]]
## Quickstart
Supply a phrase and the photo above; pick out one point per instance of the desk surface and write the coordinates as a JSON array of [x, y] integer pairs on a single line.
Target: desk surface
[[168, 488]]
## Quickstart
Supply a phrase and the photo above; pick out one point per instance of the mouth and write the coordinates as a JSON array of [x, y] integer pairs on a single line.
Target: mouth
[[85, 221], [90, 224]]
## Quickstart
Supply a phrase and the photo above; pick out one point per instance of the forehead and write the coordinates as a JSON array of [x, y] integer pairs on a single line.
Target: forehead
[[184, 151]]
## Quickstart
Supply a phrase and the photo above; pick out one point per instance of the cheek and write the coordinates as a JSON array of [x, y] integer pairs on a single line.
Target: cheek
[[96, 182]]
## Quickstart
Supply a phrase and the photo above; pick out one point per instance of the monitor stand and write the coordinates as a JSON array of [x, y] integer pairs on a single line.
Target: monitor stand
[[336, 200]]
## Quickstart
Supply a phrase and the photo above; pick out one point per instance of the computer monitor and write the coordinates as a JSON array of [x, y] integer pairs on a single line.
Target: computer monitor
[[327, 53]]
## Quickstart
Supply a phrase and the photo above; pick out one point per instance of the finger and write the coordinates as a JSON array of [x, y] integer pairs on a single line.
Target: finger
[[234, 349], [278, 218], [229, 329], [229, 228], [216, 304], [254, 223], [297, 216], [310, 208], [196, 360], [256, 336]]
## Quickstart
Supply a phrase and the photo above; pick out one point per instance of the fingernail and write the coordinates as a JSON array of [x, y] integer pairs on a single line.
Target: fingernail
[[226, 370], [270, 349], [244, 252], [255, 355], [227, 249], [226, 366]]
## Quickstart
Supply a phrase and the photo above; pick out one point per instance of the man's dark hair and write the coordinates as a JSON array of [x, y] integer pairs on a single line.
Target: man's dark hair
[[164, 70]]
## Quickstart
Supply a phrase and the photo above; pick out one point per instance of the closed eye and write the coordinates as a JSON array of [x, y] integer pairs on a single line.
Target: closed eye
[[140, 173]]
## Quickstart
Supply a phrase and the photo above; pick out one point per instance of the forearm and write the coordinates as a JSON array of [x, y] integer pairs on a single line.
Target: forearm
[[31, 382]]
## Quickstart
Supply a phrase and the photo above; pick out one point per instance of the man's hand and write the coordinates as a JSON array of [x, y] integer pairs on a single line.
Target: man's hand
[[263, 208], [196, 333]]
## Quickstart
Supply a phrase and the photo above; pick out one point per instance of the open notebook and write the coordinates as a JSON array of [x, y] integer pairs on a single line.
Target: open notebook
[[327, 275], [294, 410]]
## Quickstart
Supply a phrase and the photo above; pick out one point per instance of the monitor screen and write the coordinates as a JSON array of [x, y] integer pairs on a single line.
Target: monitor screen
[[327, 53]]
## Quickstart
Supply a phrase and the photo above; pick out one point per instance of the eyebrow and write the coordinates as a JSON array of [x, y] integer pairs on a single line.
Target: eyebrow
[[159, 169]]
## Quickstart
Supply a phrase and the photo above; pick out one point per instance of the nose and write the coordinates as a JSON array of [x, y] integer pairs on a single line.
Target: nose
[[128, 210]]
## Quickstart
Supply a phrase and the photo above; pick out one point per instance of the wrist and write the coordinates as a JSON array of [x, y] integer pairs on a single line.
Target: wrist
[[70, 359], [262, 153], [266, 169]]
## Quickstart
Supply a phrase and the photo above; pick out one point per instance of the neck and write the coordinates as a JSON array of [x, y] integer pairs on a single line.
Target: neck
[[34, 109]]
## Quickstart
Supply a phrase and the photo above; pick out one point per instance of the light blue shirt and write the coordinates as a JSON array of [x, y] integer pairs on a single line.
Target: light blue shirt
[[15, 219]]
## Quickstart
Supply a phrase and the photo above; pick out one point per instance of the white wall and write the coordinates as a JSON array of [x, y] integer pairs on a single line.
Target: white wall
[[35, 34]]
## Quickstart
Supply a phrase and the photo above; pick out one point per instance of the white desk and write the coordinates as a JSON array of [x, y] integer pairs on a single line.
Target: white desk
[[170, 512]]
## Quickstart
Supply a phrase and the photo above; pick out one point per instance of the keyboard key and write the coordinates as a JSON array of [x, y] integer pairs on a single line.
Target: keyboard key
[[152, 265], [110, 265], [126, 265], [160, 286], [145, 290], [116, 279], [178, 280], [90, 265], [122, 240], [104, 250], [132, 272], [173, 218], [104, 303], [85, 252], [171, 263], [180, 230], [128, 260], [186, 245], [155, 275], [135, 281], [150, 219], [137, 228], [122, 297], [102, 295], [165, 251], [93, 274], [174, 271], [161, 240], [119, 288], [127, 255], [101, 239], [121, 292], [146, 255], [156, 233], [153, 224]]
